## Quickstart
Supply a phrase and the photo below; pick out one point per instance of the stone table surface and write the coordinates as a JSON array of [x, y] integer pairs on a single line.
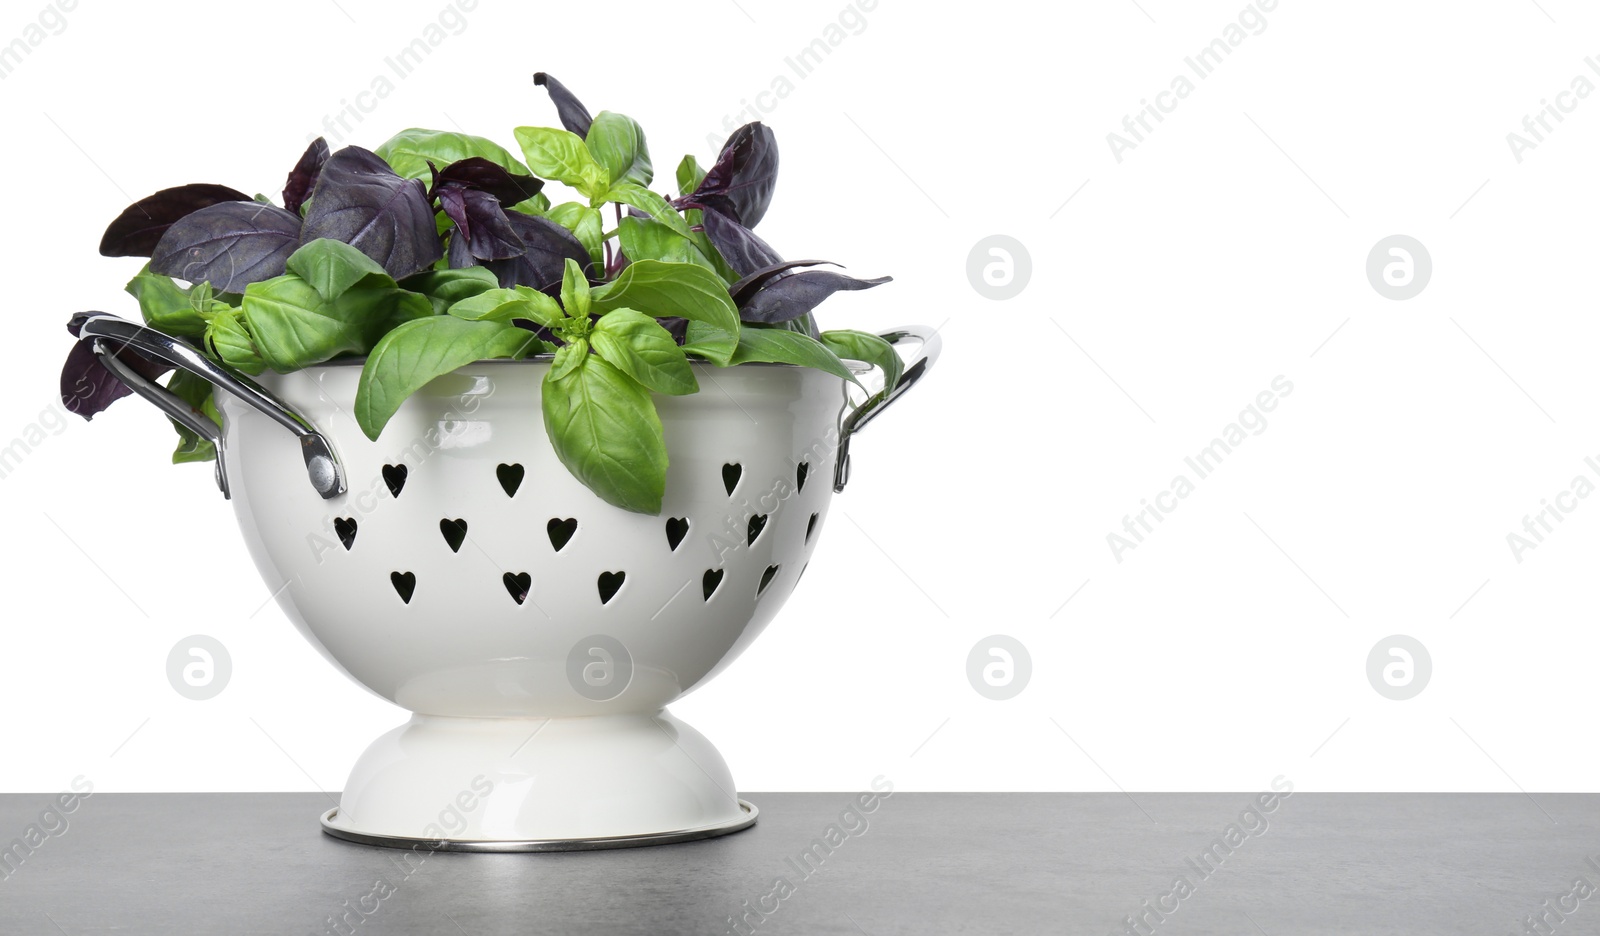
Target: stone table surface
[[926, 863]]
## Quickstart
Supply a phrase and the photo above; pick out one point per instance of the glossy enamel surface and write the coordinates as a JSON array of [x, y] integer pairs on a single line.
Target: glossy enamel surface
[[540, 721], [462, 644]]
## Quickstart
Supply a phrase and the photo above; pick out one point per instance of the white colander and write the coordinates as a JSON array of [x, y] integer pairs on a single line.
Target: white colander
[[457, 569]]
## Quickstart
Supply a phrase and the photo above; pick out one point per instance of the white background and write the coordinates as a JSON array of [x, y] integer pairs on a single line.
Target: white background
[[1173, 287]]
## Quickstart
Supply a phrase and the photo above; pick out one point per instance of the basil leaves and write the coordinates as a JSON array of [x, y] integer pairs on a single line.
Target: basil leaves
[[439, 249]]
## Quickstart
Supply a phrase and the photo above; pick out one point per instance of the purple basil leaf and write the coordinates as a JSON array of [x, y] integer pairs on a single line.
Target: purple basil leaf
[[87, 387], [548, 246], [740, 184], [360, 201], [303, 178], [138, 229], [453, 202], [481, 224], [460, 256], [574, 116], [677, 327], [230, 245], [479, 173], [795, 294], [747, 287], [743, 250]]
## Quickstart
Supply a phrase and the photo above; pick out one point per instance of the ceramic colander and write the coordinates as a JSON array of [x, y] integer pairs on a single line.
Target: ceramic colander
[[455, 568]]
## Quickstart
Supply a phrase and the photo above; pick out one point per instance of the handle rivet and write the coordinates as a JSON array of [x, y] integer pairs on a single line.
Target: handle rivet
[[324, 477]]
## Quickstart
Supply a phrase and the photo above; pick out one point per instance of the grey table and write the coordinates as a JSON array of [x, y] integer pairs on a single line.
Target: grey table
[[927, 863]]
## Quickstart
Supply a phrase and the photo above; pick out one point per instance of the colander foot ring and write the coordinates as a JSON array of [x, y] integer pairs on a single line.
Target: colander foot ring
[[744, 821]]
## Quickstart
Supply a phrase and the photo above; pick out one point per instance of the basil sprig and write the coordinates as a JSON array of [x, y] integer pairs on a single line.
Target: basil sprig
[[439, 249]]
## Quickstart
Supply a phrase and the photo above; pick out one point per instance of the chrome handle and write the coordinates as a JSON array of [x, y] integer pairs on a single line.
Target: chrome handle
[[916, 367], [111, 334]]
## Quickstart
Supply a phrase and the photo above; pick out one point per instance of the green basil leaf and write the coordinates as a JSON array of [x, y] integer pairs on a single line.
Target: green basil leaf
[[491, 305], [562, 156], [294, 327], [568, 357], [666, 290], [690, 175], [574, 291], [617, 143], [642, 349], [168, 307], [417, 352], [585, 224], [444, 288], [869, 349], [332, 267], [780, 346], [604, 428], [650, 203], [409, 152], [229, 341], [506, 305], [195, 391], [644, 239], [191, 448], [804, 324], [397, 305], [541, 309], [537, 205]]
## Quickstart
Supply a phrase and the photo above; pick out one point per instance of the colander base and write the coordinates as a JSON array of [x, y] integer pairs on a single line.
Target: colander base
[[330, 825], [538, 784]]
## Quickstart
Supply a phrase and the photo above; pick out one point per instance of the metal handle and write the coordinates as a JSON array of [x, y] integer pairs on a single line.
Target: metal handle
[[111, 334], [916, 367]]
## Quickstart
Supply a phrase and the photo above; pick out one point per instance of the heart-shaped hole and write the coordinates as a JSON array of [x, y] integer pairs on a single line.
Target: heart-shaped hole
[[708, 584], [731, 473], [405, 584], [800, 472], [395, 477], [561, 532], [455, 533], [345, 527], [518, 584], [510, 478], [610, 583], [757, 524], [766, 579], [811, 527], [677, 529]]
